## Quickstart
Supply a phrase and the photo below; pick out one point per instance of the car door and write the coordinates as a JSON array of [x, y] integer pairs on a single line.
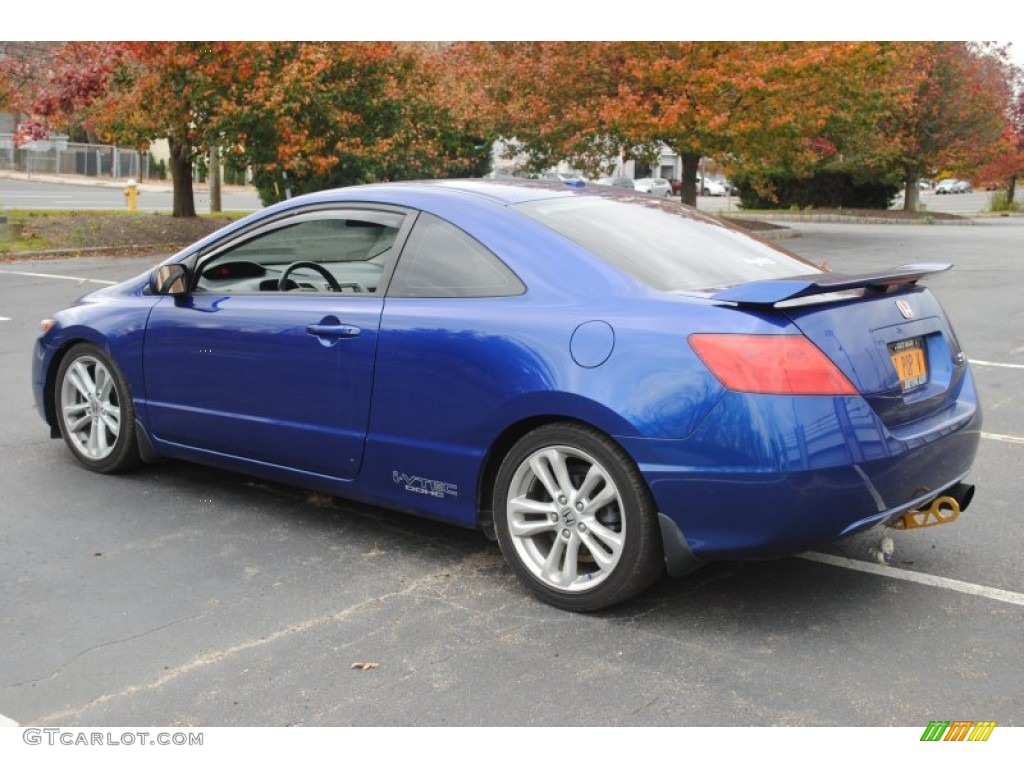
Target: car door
[[269, 356]]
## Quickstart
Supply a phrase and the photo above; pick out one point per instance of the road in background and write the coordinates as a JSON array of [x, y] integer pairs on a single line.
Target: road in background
[[69, 195]]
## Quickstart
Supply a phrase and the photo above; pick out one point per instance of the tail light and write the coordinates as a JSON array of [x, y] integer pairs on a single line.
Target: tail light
[[770, 365]]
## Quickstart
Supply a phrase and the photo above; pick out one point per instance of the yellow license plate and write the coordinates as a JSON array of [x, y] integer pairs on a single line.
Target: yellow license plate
[[909, 360]]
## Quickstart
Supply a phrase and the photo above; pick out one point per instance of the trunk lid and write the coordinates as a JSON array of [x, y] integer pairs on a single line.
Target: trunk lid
[[887, 334]]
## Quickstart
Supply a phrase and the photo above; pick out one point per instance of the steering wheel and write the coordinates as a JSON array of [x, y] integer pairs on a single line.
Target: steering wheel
[[282, 283]]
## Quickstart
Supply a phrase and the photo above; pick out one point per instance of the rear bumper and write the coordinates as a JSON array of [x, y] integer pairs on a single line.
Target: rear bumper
[[768, 476]]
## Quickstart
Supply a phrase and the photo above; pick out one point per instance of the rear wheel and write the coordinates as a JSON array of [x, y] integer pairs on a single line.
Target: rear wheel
[[94, 410], [575, 520]]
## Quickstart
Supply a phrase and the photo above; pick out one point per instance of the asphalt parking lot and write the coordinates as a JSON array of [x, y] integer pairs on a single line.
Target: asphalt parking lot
[[183, 596]]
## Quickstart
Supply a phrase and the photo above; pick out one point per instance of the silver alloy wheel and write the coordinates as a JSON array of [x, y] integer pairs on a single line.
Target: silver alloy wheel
[[565, 517], [90, 408]]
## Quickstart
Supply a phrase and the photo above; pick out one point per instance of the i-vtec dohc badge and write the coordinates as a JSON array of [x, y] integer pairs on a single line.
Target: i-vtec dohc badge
[[422, 485], [905, 309]]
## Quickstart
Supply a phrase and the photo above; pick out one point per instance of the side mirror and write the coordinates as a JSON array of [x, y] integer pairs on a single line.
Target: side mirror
[[169, 280]]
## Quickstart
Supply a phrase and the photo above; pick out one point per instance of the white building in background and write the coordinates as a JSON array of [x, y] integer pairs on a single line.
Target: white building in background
[[160, 150]]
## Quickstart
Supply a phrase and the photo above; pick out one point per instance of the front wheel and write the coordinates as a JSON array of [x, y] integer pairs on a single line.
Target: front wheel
[[95, 411], [575, 520]]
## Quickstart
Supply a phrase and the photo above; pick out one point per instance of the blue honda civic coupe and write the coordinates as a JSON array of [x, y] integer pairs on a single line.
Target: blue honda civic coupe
[[610, 385]]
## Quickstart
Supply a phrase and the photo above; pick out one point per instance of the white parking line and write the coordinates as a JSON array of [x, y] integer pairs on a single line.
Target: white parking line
[[1003, 438], [992, 435], [927, 579], [7, 722], [997, 365], [4, 318], [57, 277]]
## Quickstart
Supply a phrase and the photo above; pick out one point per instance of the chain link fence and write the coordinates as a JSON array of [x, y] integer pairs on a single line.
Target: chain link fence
[[59, 157]]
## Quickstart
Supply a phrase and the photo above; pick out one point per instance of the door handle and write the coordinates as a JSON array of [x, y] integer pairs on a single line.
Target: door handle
[[333, 331]]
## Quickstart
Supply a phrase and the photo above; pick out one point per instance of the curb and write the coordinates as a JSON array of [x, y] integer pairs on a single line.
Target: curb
[[838, 218], [164, 248], [85, 181], [88, 181]]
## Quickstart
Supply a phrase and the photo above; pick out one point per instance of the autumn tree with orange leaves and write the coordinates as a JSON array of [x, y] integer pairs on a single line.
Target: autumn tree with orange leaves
[[583, 101], [55, 85], [132, 93], [302, 116], [170, 90], [305, 116], [1008, 164], [954, 114]]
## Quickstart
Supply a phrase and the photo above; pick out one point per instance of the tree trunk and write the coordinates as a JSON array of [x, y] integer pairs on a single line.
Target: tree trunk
[[214, 180], [181, 174], [1011, 188], [912, 190], [691, 164]]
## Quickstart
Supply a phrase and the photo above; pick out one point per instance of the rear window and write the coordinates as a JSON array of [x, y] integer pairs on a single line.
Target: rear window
[[663, 244]]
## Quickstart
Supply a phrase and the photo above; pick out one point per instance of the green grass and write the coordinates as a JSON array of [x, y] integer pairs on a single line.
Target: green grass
[[27, 231], [12, 238]]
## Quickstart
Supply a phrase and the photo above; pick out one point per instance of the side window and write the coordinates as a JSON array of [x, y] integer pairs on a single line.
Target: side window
[[439, 260], [324, 251]]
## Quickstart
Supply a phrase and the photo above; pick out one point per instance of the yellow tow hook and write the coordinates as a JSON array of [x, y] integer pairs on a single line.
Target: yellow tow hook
[[945, 509]]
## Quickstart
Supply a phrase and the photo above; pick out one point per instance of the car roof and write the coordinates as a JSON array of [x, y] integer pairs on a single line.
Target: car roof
[[499, 191]]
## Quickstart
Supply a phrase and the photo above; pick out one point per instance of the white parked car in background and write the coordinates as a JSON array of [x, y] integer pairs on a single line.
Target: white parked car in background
[[714, 188], [656, 187]]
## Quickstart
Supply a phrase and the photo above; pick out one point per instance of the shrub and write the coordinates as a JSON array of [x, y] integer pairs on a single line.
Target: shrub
[[1001, 203], [824, 189]]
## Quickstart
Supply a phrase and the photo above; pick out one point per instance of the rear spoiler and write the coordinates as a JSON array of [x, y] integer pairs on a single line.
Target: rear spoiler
[[770, 292]]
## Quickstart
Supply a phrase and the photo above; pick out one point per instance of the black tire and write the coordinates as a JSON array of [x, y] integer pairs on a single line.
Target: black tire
[[575, 520], [94, 409]]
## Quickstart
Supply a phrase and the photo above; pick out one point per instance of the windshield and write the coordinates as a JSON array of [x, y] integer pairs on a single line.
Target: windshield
[[664, 245]]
